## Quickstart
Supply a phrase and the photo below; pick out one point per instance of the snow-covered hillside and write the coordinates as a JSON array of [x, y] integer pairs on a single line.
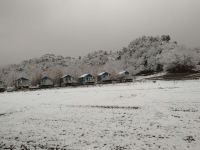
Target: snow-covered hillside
[[145, 55], [141, 115]]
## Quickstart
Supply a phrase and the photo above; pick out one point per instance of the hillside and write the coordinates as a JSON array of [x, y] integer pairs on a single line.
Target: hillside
[[145, 55]]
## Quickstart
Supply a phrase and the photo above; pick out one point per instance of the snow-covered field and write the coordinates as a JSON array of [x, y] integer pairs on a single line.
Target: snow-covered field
[[143, 115]]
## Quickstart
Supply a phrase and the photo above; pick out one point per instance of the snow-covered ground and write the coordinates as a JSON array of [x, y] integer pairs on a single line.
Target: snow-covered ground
[[142, 115]]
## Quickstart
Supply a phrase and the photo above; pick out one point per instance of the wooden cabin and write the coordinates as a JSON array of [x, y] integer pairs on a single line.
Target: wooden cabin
[[104, 77], [22, 83], [46, 82], [124, 76], [86, 79], [68, 80], [2, 86]]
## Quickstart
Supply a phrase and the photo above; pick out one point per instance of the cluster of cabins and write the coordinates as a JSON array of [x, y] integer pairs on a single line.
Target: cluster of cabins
[[68, 80]]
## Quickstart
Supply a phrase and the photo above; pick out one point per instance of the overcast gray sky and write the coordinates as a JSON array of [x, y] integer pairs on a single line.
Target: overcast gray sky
[[31, 28]]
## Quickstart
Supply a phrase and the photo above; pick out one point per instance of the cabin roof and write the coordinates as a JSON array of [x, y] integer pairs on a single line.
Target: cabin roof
[[122, 72], [102, 73], [43, 77], [67, 75], [22, 78], [84, 75]]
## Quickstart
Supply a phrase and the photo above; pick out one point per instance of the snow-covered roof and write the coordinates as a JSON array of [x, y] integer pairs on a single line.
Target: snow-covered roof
[[84, 75], [102, 73], [65, 76], [122, 72]]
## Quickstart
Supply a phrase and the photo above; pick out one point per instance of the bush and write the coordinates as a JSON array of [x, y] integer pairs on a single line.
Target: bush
[[179, 60]]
